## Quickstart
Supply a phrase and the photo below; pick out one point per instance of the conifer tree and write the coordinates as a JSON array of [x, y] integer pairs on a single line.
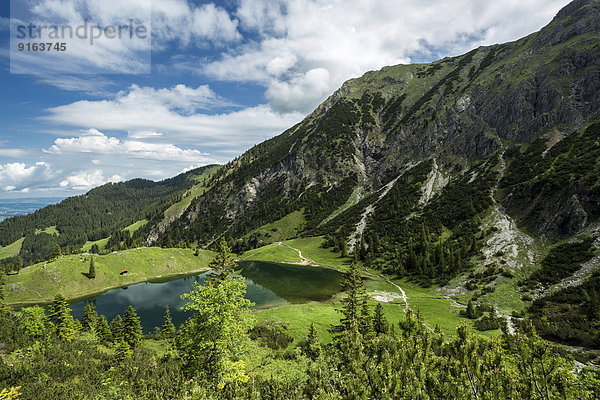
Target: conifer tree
[[353, 286], [380, 324], [95, 249], [18, 264], [92, 271], [132, 329], [471, 312], [313, 345], [102, 330], [222, 265], [122, 352], [168, 329], [365, 322], [90, 317], [60, 316], [56, 253], [116, 329]]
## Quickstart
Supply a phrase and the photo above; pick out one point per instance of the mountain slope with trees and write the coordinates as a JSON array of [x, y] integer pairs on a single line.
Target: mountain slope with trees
[[98, 214]]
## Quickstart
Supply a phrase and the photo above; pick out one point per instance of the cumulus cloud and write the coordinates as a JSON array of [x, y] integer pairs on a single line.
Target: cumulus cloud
[[85, 180], [172, 115], [347, 38], [183, 22], [86, 51], [94, 141], [20, 177]]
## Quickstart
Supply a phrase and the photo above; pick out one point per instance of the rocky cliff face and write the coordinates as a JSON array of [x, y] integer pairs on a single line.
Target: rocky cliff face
[[494, 105]]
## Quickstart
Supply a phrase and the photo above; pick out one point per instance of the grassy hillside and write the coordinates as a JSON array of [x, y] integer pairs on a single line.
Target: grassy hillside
[[12, 249], [198, 189], [41, 282], [287, 252]]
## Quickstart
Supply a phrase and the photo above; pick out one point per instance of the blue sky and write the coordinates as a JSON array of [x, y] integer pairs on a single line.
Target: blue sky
[[223, 76]]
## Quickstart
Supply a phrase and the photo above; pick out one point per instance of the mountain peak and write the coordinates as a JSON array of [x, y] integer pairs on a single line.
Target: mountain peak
[[577, 7], [577, 18]]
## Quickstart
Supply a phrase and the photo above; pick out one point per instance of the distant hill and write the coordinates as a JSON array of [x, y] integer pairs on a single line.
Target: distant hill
[[94, 215]]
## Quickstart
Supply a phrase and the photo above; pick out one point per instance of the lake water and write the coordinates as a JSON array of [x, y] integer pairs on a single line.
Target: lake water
[[267, 285]]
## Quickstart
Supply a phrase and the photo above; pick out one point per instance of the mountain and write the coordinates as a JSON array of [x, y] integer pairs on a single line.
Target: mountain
[[95, 215], [470, 172], [479, 173], [505, 119]]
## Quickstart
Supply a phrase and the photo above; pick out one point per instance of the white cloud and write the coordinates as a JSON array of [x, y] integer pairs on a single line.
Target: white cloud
[[94, 141], [85, 180], [186, 24], [347, 38], [19, 176], [300, 92], [73, 83], [170, 115], [144, 135], [13, 153], [88, 50]]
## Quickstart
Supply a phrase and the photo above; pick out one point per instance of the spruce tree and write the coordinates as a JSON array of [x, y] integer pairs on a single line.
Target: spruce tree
[[365, 322], [116, 329], [222, 265], [353, 286], [122, 352], [168, 329], [313, 345], [380, 324], [102, 330], [92, 271], [471, 312], [60, 316], [132, 329], [90, 317], [18, 264], [56, 253]]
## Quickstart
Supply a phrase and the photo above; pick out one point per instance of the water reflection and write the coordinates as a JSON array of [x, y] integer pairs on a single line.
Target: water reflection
[[267, 285]]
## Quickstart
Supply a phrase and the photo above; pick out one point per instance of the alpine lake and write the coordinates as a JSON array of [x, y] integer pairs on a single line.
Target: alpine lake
[[267, 285]]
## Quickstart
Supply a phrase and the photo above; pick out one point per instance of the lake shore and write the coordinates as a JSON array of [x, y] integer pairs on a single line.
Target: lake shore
[[97, 292], [39, 283]]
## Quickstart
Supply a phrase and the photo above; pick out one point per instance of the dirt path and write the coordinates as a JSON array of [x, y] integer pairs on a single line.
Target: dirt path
[[402, 292], [303, 260]]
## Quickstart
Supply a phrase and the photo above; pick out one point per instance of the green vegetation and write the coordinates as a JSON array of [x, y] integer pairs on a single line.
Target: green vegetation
[[135, 226], [39, 283], [12, 250], [93, 216], [570, 168], [570, 315], [218, 353], [276, 252], [101, 244], [50, 231], [285, 228], [562, 261], [197, 190]]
